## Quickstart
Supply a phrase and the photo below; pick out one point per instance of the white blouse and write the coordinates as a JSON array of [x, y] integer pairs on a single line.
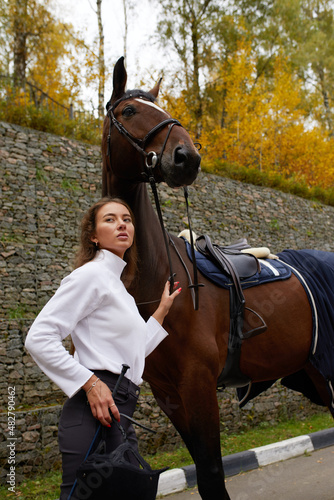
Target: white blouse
[[107, 330]]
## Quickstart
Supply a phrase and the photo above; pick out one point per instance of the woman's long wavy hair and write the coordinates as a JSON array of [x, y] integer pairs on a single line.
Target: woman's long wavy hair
[[88, 249]]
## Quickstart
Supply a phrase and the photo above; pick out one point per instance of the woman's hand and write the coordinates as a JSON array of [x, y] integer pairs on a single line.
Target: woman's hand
[[166, 302], [101, 401]]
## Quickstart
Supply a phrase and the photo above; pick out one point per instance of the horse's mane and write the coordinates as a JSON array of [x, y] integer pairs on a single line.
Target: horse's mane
[[133, 94]]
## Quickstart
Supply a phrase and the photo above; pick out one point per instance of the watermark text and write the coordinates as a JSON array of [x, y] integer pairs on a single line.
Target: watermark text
[[11, 440]]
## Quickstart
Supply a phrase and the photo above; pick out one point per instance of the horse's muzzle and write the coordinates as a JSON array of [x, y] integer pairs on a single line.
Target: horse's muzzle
[[184, 167]]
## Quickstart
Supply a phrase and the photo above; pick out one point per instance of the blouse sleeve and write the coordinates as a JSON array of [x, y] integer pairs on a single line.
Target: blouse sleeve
[[78, 295], [155, 334]]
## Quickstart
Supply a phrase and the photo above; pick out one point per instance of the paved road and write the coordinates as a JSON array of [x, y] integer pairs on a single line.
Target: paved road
[[308, 477]]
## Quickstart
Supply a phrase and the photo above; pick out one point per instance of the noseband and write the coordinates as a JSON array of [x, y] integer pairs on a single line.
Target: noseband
[[152, 159]]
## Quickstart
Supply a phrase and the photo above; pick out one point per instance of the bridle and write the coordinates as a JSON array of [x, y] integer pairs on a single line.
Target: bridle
[[152, 161]]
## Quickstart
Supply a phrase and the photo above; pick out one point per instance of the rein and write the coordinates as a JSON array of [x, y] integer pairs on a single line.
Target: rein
[[153, 160]]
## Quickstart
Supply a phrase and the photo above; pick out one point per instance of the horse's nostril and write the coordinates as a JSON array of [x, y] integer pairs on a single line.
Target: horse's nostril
[[180, 156]]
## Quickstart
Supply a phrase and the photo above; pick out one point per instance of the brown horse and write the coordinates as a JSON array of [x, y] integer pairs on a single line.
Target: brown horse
[[183, 370]]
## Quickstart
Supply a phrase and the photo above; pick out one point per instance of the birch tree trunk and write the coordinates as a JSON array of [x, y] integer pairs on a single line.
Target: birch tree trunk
[[101, 63], [125, 40], [20, 42]]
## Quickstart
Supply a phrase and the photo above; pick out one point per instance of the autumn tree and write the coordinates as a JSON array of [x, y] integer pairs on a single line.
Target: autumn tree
[[188, 27], [21, 28], [5, 51], [304, 31], [128, 7], [40, 48], [101, 63], [264, 124]]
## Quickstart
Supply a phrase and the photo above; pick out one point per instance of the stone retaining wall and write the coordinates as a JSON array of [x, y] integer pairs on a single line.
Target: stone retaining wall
[[47, 183]]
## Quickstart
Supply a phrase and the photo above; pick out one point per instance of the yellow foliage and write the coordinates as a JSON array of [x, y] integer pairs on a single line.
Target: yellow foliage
[[179, 110], [49, 50], [264, 124]]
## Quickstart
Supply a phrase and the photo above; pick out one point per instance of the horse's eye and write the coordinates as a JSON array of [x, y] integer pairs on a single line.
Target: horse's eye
[[128, 111]]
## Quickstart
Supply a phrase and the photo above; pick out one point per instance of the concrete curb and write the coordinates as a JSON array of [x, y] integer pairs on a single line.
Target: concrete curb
[[176, 480]]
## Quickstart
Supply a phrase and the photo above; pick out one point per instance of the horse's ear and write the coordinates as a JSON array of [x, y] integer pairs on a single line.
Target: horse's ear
[[155, 90], [119, 80]]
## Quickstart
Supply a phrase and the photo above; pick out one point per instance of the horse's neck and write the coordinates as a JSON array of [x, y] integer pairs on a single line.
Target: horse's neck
[[153, 265], [148, 230]]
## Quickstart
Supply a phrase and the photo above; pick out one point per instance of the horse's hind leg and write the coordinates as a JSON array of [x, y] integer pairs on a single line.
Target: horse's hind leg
[[320, 385]]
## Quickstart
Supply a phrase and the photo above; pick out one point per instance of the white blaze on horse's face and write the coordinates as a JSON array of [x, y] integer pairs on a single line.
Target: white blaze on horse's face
[[149, 103]]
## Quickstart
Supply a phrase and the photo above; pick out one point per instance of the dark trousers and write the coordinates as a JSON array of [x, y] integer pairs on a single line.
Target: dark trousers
[[77, 427]]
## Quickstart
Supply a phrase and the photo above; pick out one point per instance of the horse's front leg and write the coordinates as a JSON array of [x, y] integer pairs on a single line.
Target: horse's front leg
[[193, 410], [197, 420], [204, 435]]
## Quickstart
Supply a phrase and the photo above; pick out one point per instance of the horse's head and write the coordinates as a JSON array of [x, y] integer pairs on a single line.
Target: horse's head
[[140, 138]]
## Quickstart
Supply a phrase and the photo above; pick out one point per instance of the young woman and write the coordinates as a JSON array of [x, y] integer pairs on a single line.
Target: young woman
[[93, 305]]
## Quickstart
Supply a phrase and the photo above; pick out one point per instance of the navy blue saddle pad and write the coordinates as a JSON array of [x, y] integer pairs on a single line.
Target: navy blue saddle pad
[[271, 270]]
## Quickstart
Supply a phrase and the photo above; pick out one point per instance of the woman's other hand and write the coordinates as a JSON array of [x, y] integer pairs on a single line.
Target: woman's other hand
[[166, 302], [101, 401]]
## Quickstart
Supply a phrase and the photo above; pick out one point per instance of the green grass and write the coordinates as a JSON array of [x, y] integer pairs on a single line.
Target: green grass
[[46, 487], [248, 438]]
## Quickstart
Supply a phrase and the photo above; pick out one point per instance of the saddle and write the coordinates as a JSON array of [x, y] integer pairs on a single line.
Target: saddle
[[236, 265], [231, 259]]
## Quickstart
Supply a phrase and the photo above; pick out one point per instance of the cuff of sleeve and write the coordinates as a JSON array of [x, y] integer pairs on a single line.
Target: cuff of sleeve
[[76, 386], [156, 333]]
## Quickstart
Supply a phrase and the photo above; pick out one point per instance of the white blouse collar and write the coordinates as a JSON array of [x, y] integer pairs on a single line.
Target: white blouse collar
[[111, 259]]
